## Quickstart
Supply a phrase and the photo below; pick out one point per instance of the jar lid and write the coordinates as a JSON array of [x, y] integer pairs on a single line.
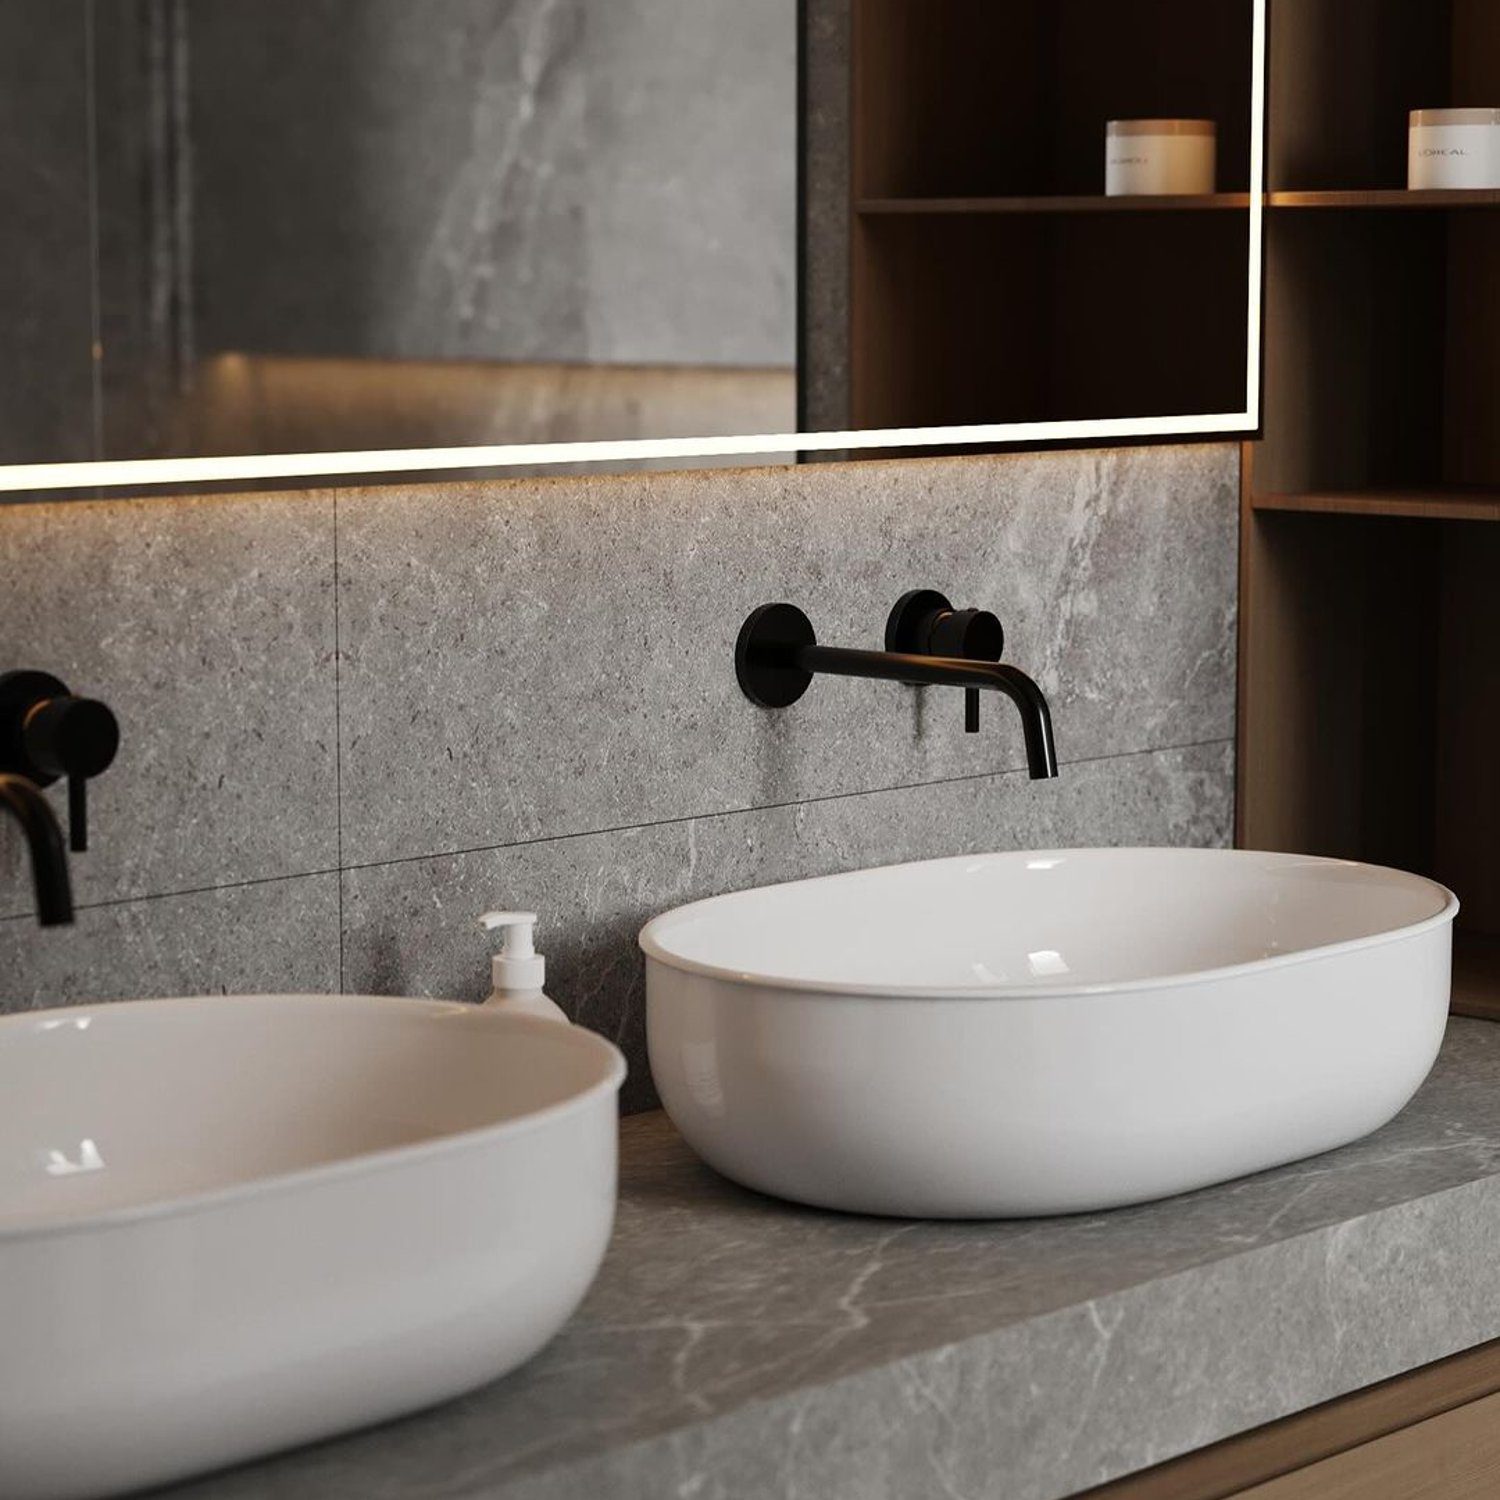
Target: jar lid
[[1161, 127], [1455, 117]]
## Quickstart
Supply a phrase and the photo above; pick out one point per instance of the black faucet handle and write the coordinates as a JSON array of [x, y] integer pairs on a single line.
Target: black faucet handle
[[70, 736], [46, 733], [924, 623], [77, 738]]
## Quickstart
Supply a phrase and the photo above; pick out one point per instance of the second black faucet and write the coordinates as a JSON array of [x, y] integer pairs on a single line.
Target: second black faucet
[[778, 655]]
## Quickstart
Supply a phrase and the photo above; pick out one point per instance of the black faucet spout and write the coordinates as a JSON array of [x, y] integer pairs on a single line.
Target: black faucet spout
[[947, 671], [777, 655], [44, 842]]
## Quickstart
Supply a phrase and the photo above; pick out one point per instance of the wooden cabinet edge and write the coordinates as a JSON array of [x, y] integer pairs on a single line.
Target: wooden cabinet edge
[[1245, 1467], [1453, 1456]]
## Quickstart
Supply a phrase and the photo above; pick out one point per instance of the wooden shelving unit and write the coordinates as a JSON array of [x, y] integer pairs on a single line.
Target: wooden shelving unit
[[1370, 598], [990, 279]]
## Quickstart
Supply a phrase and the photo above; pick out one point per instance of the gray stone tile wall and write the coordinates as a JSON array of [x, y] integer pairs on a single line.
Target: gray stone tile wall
[[355, 719], [207, 624]]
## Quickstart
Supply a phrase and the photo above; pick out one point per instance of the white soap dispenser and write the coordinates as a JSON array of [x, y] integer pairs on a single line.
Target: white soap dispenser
[[518, 969]]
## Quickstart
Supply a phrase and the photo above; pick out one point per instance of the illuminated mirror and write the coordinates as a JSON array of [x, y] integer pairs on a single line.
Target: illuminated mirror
[[261, 240]]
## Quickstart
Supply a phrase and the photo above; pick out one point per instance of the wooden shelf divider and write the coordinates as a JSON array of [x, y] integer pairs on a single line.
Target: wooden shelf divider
[[1384, 198], [1436, 504], [1056, 204], [1370, 199]]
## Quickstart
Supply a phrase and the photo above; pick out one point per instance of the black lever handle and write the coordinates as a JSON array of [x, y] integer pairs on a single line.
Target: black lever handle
[[47, 733], [76, 738], [924, 623]]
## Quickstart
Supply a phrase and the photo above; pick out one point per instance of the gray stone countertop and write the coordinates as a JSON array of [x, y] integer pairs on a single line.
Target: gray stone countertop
[[736, 1348]]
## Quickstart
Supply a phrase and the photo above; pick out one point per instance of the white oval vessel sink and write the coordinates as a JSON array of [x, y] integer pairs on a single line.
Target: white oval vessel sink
[[230, 1225], [1044, 1033]]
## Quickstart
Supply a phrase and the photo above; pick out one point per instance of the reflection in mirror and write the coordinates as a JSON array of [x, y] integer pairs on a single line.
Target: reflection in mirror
[[254, 226]]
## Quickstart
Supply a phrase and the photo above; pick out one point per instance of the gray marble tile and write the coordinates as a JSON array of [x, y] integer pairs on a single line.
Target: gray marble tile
[[46, 410], [523, 660], [689, 188], [376, 178], [276, 936], [208, 626], [497, 179], [410, 928], [735, 1348], [144, 226]]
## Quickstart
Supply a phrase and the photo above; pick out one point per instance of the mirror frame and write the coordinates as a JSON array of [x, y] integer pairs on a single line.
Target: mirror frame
[[154, 472]]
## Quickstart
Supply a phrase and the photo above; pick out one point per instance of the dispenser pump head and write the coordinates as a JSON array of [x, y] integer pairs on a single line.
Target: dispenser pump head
[[517, 966]]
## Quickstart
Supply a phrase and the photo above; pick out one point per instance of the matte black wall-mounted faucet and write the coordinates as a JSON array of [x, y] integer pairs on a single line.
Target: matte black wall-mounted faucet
[[778, 655]]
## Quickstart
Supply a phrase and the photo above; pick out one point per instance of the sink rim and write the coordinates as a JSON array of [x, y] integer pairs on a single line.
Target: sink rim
[[1038, 989], [360, 1164]]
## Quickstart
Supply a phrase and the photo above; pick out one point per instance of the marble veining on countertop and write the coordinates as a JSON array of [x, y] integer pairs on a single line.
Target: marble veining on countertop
[[735, 1347]]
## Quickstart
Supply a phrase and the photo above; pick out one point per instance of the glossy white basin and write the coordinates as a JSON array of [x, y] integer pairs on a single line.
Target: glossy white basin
[[1040, 1033], [232, 1225]]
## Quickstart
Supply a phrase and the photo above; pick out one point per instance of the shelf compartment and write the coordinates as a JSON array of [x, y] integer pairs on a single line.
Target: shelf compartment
[[1012, 99], [1382, 355], [1435, 504], [1057, 204], [991, 280], [1370, 703], [1345, 75], [976, 318]]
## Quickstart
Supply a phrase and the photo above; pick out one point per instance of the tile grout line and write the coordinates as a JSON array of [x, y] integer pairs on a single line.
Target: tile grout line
[[759, 807], [338, 743], [589, 833], [187, 890]]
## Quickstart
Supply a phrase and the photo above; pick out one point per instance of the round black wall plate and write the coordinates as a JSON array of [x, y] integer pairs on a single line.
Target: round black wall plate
[[764, 651]]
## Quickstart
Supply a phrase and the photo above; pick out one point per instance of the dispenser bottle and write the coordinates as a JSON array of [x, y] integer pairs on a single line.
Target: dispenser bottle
[[518, 970]]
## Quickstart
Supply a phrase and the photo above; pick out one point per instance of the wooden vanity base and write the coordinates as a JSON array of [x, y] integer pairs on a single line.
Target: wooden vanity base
[[1433, 1434]]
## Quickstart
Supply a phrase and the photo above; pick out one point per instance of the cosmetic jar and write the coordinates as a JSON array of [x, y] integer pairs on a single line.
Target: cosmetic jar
[[1454, 148], [1151, 157]]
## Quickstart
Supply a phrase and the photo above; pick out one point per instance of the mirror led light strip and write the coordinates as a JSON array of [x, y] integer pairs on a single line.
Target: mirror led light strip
[[136, 473], [1257, 213]]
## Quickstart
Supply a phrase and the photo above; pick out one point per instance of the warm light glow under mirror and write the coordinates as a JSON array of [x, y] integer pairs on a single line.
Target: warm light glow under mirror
[[259, 241]]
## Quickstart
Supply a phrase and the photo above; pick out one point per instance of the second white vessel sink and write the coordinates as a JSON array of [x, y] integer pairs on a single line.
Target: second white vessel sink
[[1039, 1033], [228, 1225]]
